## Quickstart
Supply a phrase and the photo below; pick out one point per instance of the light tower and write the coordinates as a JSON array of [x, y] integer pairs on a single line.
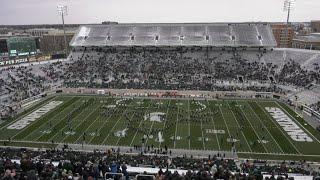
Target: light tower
[[288, 7], [63, 11]]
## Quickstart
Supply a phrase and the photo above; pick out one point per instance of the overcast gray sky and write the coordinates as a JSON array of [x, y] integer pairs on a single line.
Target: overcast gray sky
[[96, 11]]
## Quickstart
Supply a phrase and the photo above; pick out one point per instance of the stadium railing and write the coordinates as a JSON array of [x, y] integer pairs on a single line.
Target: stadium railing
[[109, 175], [144, 177]]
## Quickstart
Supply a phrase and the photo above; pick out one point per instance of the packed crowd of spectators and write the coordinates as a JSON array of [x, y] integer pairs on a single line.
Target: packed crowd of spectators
[[68, 164], [22, 82], [174, 69]]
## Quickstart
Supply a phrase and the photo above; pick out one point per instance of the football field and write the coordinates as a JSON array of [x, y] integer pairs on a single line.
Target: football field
[[245, 126]]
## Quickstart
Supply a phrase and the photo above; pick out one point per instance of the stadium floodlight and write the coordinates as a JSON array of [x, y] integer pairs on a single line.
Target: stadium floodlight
[[63, 11], [288, 6]]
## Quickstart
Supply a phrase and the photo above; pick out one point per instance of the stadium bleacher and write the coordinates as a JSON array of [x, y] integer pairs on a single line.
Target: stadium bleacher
[[210, 34], [68, 164]]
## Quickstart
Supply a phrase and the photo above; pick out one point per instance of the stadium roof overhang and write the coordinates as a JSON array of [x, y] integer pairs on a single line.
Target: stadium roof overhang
[[171, 35]]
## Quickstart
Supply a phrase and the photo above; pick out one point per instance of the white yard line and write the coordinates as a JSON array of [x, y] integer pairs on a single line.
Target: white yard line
[[189, 124], [265, 127], [61, 130], [239, 127], [150, 129], [125, 128], [175, 134], [167, 111], [104, 123], [298, 155], [214, 127], [225, 122], [253, 129], [136, 132], [91, 123], [141, 121], [127, 107], [87, 129], [279, 129], [149, 133], [203, 143], [36, 130], [55, 121], [79, 123]]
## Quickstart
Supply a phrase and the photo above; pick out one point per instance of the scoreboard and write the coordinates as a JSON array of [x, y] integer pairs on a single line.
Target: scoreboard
[[3, 46], [21, 46]]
